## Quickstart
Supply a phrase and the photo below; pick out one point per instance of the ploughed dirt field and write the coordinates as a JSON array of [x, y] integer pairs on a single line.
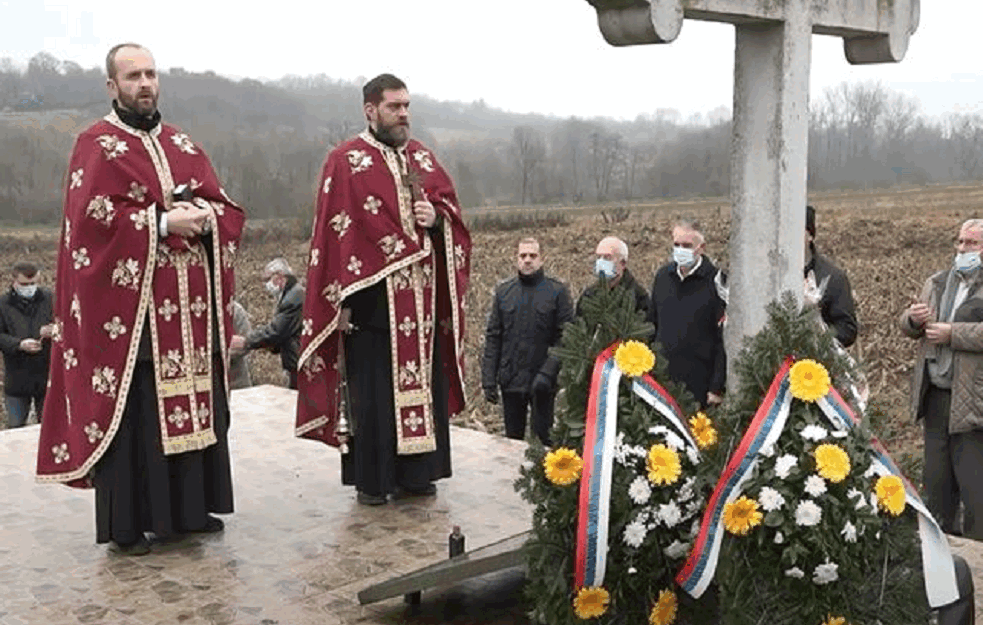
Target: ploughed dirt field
[[888, 242]]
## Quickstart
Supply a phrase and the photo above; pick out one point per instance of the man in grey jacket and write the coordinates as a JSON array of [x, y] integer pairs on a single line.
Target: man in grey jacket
[[282, 334]]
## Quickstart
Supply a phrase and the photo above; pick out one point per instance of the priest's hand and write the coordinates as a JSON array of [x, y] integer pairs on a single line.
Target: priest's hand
[[238, 342], [425, 213], [713, 399], [186, 220], [31, 346], [345, 320]]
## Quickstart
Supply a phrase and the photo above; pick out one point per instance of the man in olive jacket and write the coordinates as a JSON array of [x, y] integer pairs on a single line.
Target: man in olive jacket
[[947, 383], [526, 319]]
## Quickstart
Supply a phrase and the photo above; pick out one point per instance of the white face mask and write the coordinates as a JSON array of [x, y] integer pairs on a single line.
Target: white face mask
[[965, 262], [604, 268], [272, 288], [684, 256], [26, 291]]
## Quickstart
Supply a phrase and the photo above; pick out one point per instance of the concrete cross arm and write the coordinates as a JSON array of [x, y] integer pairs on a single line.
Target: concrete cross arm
[[873, 31]]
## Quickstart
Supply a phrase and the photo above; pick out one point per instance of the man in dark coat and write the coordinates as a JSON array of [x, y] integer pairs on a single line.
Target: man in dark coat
[[687, 311], [829, 288], [25, 327], [611, 265], [526, 319], [282, 333]]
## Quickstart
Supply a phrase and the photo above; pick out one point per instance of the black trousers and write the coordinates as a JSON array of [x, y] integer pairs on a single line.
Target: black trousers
[[953, 466], [963, 610], [139, 489], [515, 408]]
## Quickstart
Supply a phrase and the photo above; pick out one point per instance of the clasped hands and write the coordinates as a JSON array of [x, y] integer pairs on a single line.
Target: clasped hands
[[186, 219], [425, 213], [922, 315]]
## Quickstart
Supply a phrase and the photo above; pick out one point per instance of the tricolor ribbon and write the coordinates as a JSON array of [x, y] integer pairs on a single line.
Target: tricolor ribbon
[[600, 437], [765, 429]]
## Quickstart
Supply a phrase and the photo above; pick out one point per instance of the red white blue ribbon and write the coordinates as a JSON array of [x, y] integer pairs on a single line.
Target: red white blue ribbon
[[601, 433], [765, 428]]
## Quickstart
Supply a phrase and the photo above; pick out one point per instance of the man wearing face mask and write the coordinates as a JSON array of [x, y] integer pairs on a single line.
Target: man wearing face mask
[[611, 267], [282, 333], [947, 319], [687, 311], [25, 327]]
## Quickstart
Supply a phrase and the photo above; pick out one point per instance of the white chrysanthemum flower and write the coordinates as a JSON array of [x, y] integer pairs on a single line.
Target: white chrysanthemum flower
[[639, 490], [815, 485], [873, 502], [813, 433], [871, 470], [849, 532], [825, 573], [677, 550], [620, 449], [527, 465], [670, 514], [674, 441], [635, 533], [693, 455], [632, 570], [770, 499], [767, 451], [694, 506], [861, 499], [785, 464], [779, 538], [807, 513], [686, 491], [795, 573], [639, 451]]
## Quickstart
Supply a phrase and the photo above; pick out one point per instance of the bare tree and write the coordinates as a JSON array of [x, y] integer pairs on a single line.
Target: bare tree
[[529, 150]]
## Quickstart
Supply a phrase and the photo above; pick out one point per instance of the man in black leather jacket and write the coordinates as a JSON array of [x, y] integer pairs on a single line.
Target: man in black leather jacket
[[829, 288], [526, 318], [282, 333]]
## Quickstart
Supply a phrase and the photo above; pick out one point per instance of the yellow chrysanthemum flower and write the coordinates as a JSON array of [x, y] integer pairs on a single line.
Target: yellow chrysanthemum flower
[[832, 462], [563, 466], [703, 430], [809, 380], [741, 515], [591, 602], [634, 358], [890, 494], [663, 465], [664, 610], [835, 620]]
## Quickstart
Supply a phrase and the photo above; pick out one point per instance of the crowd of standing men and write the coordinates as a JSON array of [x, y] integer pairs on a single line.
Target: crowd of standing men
[[144, 324]]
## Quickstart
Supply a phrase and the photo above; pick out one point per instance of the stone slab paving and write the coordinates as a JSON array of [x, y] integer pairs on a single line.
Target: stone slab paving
[[297, 551]]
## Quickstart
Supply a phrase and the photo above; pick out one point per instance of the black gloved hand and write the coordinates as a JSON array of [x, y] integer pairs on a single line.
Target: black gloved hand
[[491, 394], [542, 384]]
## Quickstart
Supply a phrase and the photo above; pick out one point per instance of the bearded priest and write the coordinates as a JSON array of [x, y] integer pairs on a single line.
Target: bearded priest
[[381, 365], [137, 406]]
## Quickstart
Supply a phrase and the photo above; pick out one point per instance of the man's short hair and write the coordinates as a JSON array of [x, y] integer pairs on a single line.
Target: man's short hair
[[372, 91], [24, 268], [972, 224], [530, 241], [111, 57], [692, 225], [278, 265], [619, 246]]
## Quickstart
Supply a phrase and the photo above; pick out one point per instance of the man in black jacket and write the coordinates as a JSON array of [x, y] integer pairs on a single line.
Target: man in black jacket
[[282, 333], [526, 319], [611, 265], [687, 311], [25, 327], [828, 287]]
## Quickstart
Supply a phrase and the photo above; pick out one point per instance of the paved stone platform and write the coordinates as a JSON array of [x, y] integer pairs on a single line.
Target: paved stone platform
[[296, 552]]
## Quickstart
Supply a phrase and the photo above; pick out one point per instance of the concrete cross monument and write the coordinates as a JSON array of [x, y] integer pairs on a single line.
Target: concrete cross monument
[[770, 120]]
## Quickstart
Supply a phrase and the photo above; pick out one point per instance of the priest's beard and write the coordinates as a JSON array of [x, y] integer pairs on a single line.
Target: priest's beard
[[138, 106], [393, 135]]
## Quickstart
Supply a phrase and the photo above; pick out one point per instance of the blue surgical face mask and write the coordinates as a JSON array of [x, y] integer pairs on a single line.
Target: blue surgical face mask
[[965, 262], [684, 256], [26, 291], [604, 268]]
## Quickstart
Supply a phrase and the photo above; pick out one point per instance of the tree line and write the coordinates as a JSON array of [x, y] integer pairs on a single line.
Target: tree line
[[268, 141]]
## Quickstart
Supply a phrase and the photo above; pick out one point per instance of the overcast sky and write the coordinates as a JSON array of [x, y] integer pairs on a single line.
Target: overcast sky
[[544, 56]]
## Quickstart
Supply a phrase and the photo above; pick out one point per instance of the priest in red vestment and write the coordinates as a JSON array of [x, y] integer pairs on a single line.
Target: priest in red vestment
[[383, 324], [137, 405]]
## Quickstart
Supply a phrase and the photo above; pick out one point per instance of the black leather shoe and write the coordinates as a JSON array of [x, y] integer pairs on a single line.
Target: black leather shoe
[[212, 524], [370, 500], [139, 547], [429, 490]]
